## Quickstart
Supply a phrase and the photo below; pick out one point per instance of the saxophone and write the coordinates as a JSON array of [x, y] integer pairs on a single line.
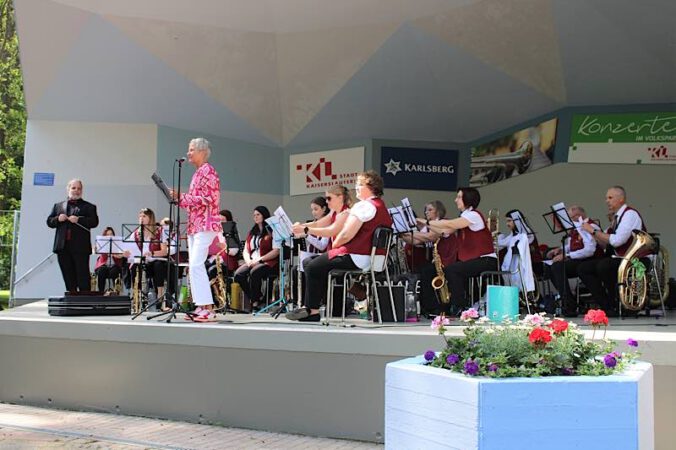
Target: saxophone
[[401, 256], [138, 290], [632, 280], [218, 286], [439, 283]]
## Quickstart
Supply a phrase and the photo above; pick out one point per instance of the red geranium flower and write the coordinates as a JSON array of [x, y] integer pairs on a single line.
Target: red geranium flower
[[596, 317], [539, 336], [559, 326]]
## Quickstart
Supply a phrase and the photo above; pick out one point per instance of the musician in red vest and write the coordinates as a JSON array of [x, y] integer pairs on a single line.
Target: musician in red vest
[[580, 246], [424, 240], [260, 258], [351, 248], [600, 275], [475, 244]]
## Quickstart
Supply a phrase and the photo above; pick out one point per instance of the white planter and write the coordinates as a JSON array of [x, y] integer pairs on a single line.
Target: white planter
[[430, 408]]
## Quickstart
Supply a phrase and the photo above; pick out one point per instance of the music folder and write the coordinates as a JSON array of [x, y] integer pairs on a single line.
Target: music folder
[[162, 186]]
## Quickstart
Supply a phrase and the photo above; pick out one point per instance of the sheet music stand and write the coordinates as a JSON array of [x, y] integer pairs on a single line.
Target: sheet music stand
[[108, 245], [558, 220], [281, 234]]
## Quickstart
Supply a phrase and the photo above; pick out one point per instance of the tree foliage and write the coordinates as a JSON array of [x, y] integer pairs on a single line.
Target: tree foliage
[[12, 130]]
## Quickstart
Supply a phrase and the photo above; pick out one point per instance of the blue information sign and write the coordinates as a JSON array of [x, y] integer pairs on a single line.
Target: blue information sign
[[419, 168], [43, 178]]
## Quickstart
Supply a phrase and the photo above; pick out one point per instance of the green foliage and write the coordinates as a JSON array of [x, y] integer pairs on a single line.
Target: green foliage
[[513, 350], [12, 132]]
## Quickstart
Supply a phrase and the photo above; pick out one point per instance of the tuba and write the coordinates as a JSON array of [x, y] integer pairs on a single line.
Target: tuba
[[218, 287], [632, 277], [439, 283]]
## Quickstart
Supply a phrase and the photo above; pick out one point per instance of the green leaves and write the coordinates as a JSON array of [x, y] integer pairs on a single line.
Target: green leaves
[[12, 132]]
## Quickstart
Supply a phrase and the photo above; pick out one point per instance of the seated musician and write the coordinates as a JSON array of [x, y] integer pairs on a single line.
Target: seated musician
[[339, 201], [260, 258], [521, 241], [475, 245], [599, 275], [104, 269], [579, 247], [424, 240], [418, 244], [231, 236], [151, 246], [350, 249]]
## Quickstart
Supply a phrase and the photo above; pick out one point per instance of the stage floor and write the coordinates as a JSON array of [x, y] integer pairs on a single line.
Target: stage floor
[[37, 311]]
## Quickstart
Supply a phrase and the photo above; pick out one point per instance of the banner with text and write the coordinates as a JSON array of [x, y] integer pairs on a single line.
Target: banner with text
[[317, 171], [514, 154], [631, 138], [419, 168]]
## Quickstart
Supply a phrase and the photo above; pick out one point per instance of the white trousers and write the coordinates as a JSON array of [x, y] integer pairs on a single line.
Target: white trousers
[[198, 250]]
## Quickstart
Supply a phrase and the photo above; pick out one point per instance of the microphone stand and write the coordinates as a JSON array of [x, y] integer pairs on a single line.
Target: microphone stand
[[174, 228]]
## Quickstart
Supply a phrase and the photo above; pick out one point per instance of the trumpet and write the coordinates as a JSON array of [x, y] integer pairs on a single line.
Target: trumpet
[[492, 168]]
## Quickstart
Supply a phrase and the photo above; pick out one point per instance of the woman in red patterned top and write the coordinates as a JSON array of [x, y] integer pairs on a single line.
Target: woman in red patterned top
[[204, 224]]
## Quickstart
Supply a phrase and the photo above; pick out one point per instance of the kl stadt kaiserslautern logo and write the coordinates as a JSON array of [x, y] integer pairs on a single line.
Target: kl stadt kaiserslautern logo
[[314, 173], [392, 167]]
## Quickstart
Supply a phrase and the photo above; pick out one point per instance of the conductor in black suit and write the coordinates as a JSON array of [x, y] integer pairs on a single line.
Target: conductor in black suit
[[73, 219]]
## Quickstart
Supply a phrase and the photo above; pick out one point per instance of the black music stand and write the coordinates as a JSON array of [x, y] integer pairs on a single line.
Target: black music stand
[[402, 226], [559, 221], [104, 246]]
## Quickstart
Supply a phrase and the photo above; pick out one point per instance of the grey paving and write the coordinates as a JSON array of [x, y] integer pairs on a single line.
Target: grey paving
[[26, 427]]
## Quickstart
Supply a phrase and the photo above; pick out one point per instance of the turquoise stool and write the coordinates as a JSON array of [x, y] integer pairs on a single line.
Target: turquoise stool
[[503, 302]]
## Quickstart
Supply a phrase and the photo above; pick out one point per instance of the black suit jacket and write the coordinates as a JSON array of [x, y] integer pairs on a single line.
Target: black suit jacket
[[80, 240]]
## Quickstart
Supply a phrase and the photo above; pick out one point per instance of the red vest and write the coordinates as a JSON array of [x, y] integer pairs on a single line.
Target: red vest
[[153, 246], [448, 249], [416, 255], [362, 242], [622, 249], [473, 244], [103, 259], [576, 242], [264, 247]]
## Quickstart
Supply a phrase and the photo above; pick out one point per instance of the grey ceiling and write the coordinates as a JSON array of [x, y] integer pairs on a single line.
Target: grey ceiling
[[303, 72]]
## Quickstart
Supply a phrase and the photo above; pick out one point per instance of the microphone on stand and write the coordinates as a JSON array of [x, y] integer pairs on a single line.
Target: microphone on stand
[[181, 160]]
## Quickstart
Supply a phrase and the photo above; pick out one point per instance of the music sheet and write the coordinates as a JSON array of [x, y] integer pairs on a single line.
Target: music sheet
[[398, 220], [562, 216], [409, 214]]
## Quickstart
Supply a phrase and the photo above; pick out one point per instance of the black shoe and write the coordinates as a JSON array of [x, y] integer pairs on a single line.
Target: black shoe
[[569, 313], [310, 318], [255, 307]]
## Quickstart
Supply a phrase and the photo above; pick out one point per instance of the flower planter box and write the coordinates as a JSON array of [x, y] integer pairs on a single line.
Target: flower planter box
[[430, 408]]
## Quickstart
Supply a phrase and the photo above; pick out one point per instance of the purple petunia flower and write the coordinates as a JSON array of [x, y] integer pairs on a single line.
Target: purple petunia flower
[[429, 355], [471, 368], [492, 367], [452, 359], [567, 371], [609, 360], [632, 342]]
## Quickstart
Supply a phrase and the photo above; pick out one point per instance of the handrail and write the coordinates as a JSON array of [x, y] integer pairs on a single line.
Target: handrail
[[33, 268]]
